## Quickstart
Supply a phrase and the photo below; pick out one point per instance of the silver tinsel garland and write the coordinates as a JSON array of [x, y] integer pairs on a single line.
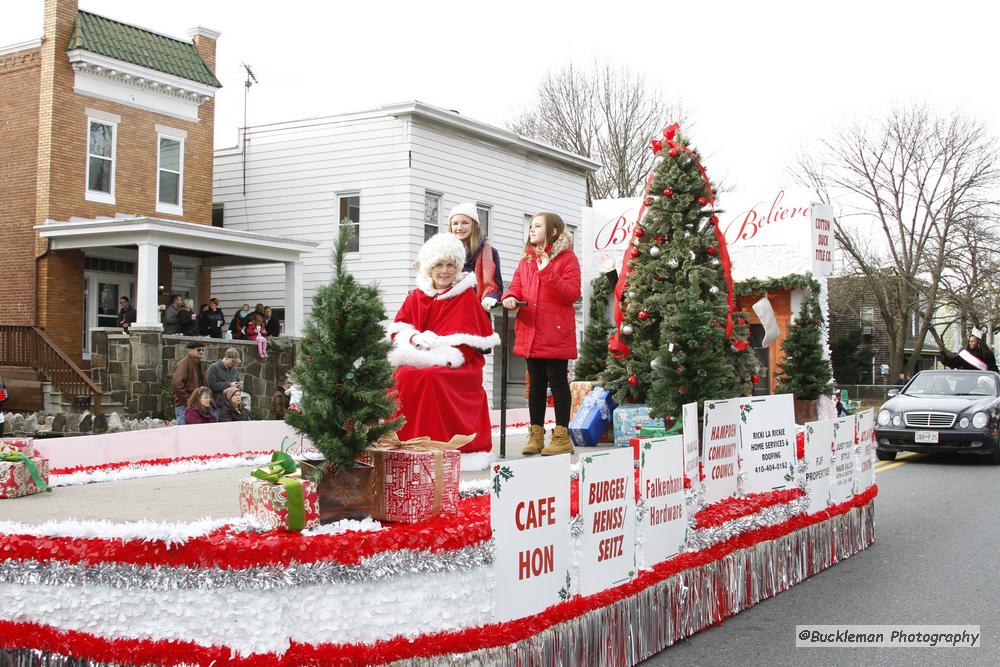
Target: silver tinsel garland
[[633, 629], [378, 567]]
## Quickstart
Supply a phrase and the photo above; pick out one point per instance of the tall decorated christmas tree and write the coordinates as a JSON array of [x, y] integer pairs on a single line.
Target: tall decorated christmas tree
[[343, 368], [805, 371], [678, 336], [594, 349]]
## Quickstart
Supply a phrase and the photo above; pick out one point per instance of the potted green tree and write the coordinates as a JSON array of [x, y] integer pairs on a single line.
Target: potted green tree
[[805, 372], [346, 382]]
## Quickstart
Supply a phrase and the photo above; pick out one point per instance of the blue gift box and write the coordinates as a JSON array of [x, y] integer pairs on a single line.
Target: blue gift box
[[592, 418], [629, 420]]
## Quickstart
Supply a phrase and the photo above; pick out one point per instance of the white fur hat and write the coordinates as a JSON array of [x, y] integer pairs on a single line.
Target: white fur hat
[[437, 248], [465, 208], [978, 333]]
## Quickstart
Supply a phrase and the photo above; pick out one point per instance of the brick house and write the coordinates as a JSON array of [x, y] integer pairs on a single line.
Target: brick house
[[853, 307], [107, 131]]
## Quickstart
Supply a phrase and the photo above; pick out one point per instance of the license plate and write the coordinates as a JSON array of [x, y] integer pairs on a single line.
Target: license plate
[[926, 436]]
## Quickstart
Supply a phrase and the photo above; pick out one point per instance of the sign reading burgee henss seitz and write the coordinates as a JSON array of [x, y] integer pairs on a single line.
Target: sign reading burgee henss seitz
[[529, 512], [607, 508]]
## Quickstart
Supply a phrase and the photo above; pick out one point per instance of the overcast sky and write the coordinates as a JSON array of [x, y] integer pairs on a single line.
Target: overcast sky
[[761, 79]]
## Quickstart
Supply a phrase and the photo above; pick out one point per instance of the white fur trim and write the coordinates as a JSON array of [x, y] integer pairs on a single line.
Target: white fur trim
[[478, 342], [405, 354], [394, 328], [476, 461], [466, 281]]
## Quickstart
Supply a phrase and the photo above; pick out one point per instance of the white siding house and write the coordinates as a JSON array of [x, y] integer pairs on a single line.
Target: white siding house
[[395, 171]]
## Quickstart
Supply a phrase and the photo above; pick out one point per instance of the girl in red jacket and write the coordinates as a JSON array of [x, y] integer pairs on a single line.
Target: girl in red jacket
[[548, 278]]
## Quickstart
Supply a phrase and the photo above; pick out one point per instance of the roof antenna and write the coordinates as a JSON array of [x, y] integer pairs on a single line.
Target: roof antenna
[[251, 79]]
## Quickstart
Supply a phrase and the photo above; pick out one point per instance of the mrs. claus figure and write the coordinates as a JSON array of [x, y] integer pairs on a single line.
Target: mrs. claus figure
[[439, 336]]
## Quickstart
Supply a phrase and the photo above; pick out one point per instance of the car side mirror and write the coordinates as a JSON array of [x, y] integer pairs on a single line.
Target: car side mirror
[[892, 392]]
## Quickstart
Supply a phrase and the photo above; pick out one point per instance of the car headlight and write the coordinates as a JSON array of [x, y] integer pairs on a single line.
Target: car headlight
[[964, 422], [897, 420], [884, 417], [980, 420]]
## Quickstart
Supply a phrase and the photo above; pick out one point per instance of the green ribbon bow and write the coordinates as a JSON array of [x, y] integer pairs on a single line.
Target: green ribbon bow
[[14, 456], [277, 472]]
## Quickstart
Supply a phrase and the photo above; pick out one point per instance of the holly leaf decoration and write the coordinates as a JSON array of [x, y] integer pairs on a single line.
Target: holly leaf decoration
[[500, 476], [564, 591], [744, 409]]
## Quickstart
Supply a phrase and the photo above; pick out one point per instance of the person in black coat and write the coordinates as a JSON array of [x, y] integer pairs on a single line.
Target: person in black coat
[[232, 409], [126, 313], [212, 320], [271, 323], [976, 356], [187, 321]]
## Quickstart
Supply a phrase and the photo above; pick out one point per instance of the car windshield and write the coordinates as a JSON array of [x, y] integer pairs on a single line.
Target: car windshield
[[964, 383]]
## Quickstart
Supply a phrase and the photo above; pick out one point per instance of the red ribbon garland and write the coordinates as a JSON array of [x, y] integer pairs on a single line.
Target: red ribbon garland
[[616, 345]]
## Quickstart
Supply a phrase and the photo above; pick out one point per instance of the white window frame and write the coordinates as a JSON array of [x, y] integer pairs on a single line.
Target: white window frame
[[112, 121], [340, 197], [489, 209], [440, 199], [180, 136]]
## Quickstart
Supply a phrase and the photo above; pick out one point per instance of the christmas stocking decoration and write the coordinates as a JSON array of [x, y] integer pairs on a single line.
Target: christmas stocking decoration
[[766, 315]]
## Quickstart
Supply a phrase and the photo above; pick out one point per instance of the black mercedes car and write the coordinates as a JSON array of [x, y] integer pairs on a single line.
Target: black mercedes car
[[942, 411]]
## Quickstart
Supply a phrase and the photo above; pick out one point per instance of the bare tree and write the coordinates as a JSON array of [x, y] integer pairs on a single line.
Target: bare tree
[[970, 296], [607, 114], [908, 182]]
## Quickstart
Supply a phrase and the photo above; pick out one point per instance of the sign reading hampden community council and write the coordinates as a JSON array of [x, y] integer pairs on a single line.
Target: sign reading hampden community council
[[529, 511], [842, 480], [607, 507], [719, 451], [661, 480], [819, 451], [767, 449]]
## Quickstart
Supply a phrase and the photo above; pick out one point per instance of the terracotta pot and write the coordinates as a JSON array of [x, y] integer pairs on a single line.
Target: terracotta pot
[[344, 493], [806, 411]]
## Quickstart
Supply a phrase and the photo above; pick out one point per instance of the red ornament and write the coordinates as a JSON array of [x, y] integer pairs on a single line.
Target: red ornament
[[711, 250], [741, 322], [639, 232], [702, 201], [668, 420], [660, 239], [755, 379], [643, 315], [673, 152], [635, 252], [682, 390], [649, 201], [633, 380], [667, 192], [656, 145]]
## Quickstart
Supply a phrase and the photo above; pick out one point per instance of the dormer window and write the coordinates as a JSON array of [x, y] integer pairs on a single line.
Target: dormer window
[[101, 143]]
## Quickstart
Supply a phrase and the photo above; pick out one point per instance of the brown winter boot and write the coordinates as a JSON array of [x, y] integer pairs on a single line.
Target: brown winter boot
[[560, 442], [536, 440]]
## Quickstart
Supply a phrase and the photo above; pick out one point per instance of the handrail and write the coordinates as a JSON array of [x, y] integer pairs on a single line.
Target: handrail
[[28, 346]]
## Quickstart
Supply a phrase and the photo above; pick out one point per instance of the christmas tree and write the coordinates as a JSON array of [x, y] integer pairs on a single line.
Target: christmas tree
[[679, 339], [594, 350], [343, 368], [805, 372]]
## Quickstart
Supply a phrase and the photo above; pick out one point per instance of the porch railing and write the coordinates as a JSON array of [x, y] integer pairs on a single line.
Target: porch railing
[[28, 347]]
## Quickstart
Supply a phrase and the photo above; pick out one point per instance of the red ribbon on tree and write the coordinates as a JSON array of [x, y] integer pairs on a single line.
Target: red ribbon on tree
[[616, 345]]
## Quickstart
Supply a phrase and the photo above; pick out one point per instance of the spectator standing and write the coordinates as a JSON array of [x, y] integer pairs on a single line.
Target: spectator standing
[[239, 322], [200, 407], [211, 321], [224, 374], [187, 377], [126, 313], [232, 410], [187, 320], [171, 323]]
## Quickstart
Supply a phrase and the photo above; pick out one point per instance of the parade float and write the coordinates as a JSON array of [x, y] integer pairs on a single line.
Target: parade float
[[713, 501]]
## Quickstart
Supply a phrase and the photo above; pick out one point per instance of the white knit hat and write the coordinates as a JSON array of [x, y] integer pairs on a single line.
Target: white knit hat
[[440, 247], [465, 208]]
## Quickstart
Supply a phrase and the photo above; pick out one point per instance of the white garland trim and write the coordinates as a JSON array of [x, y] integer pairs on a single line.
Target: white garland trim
[[156, 470], [478, 342]]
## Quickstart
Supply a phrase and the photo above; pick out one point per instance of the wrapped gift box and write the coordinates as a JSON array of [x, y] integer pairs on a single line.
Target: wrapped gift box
[[629, 420], [592, 418], [268, 502], [577, 392], [16, 480], [415, 484], [24, 445]]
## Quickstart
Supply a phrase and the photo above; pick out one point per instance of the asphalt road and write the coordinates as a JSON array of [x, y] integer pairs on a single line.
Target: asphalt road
[[934, 562]]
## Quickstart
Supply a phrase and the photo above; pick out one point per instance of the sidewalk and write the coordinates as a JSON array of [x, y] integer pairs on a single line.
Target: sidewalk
[[172, 498]]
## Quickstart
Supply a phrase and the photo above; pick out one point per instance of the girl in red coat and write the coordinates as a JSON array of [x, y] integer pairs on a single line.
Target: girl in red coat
[[439, 336], [548, 278]]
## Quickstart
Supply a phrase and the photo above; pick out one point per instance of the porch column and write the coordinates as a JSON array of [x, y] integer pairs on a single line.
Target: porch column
[[146, 293], [293, 298]]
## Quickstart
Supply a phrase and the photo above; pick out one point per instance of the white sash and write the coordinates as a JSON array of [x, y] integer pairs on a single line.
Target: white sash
[[973, 360]]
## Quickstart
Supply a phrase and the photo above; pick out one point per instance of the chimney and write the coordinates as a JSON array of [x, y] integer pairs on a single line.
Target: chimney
[[204, 41]]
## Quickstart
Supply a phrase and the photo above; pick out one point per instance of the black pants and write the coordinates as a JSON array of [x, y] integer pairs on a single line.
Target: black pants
[[550, 373]]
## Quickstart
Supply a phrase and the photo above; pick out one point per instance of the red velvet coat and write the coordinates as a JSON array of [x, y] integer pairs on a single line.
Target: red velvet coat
[[546, 327]]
